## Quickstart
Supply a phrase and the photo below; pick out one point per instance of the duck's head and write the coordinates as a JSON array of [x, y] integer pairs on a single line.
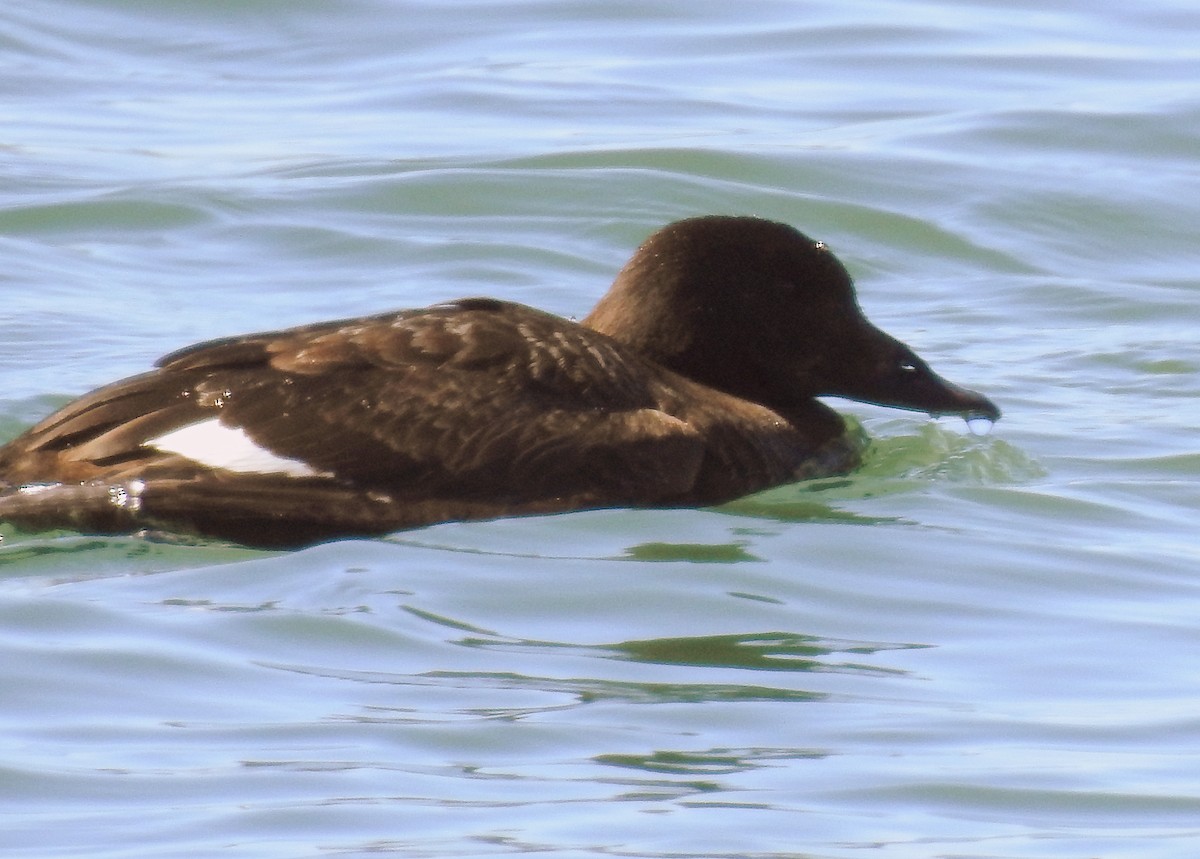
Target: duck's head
[[759, 310]]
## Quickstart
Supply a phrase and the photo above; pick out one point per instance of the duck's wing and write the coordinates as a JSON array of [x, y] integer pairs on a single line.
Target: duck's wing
[[477, 400]]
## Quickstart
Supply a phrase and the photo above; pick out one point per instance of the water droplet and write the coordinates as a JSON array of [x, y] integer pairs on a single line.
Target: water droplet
[[979, 425]]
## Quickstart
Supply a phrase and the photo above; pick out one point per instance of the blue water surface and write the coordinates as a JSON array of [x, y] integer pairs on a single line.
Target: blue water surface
[[973, 647]]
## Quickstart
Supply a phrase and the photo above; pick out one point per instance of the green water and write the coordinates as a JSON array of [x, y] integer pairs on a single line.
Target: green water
[[974, 647]]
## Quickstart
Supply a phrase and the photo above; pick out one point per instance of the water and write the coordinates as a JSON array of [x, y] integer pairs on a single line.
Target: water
[[974, 647], [980, 426]]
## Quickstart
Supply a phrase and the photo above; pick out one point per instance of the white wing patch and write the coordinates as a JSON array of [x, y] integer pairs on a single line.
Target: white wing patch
[[210, 442]]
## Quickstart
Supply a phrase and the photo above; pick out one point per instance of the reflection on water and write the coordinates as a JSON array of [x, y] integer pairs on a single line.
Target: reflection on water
[[696, 553], [758, 651], [972, 646], [710, 762]]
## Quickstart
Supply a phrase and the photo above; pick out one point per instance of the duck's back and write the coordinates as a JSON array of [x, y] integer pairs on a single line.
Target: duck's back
[[473, 409]]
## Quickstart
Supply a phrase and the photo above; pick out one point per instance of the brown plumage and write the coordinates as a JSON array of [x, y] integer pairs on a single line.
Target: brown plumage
[[692, 382]]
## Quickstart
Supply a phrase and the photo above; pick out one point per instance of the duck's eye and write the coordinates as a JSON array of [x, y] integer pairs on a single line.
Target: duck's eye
[[908, 367]]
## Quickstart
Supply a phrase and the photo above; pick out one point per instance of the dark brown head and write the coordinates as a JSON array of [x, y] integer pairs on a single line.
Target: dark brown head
[[759, 310]]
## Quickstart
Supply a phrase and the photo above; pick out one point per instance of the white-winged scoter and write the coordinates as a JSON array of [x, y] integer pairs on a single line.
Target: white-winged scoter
[[692, 382]]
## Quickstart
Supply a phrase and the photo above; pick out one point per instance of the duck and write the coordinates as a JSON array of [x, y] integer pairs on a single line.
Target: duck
[[694, 381]]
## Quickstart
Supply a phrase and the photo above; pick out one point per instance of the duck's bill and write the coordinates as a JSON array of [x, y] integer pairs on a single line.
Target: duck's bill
[[902, 380], [930, 393], [946, 398]]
